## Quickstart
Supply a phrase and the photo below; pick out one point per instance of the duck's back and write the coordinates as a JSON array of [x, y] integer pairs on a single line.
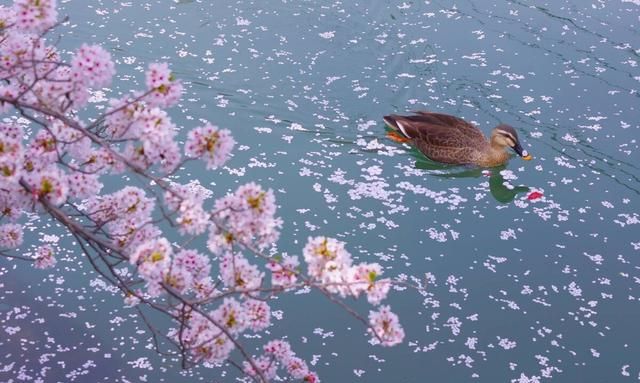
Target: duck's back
[[442, 137]]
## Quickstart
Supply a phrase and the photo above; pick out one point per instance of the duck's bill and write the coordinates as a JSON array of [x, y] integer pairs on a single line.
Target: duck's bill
[[521, 152]]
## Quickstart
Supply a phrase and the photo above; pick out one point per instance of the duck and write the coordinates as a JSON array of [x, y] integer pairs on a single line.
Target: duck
[[452, 140]]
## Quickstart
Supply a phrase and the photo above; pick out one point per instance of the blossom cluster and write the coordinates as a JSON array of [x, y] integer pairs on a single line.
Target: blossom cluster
[[32, 70], [164, 89], [385, 326], [153, 140], [207, 335], [330, 264], [45, 257], [125, 216], [187, 202], [59, 163], [212, 144], [244, 217], [284, 270], [11, 235], [278, 353], [35, 15], [92, 66]]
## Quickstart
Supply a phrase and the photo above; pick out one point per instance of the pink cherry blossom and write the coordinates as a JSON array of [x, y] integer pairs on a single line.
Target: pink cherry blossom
[[187, 201], [121, 116], [9, 92], [131, 300], [92, 66], [255, 201], [101, 161], [154, 126], [35, 15], [11, 152], [220, 240], [49, 184], [192, 218], [130, 234], [57, 91], [177, 278], [203, 340], [231, 315], [44, 257], [215, 351], [386, 327], [165, 89], [10, 138], [10, 236], [70, 140], [13, 201], [321, 250], [265, 364], [152, 257], [311, 377], [7, 16], [121, 211], [280, 349], [378, 291], [170, 156], [193, 262], [157, 146], [10, 174], [335, 278], [152, 260], [42, 151], [174, 196], [284, 270], [237, 272], [204, 288], [14, 47], [210, 143], [83, 185], [247, 216], [296, 367], [364, 278], [258, 314]]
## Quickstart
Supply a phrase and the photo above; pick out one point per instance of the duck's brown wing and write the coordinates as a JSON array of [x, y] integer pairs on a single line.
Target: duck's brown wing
[[456, 123], [441, 137], [439, 143]]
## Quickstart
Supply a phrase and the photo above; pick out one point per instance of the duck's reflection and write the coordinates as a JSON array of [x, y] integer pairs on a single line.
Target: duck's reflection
[[500, 190]]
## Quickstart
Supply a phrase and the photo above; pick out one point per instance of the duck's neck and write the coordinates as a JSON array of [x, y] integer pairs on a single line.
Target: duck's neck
[[494, 156]]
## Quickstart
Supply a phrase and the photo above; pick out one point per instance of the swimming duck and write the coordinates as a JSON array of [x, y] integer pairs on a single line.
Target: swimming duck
[[452, 140]]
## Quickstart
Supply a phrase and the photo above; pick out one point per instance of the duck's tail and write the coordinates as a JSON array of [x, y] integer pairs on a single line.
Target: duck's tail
[[391, 121], [397, 132]]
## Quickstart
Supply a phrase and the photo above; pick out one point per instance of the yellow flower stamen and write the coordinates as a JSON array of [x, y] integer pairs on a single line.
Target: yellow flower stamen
[[211, 141], [7, 171], [324, 252], [156, 256], [45, 186], [232, 320], [239, 281]]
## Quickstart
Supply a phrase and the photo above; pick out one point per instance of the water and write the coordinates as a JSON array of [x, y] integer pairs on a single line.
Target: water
[[517, 288]]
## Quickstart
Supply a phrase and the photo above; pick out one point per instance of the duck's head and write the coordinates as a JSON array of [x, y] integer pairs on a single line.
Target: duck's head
[[504, 135]]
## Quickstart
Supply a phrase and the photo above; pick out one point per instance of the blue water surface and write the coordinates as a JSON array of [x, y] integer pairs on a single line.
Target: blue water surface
[[516, 289]]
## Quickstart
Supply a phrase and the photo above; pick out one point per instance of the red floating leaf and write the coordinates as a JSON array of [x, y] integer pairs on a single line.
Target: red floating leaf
[[534, 195]]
